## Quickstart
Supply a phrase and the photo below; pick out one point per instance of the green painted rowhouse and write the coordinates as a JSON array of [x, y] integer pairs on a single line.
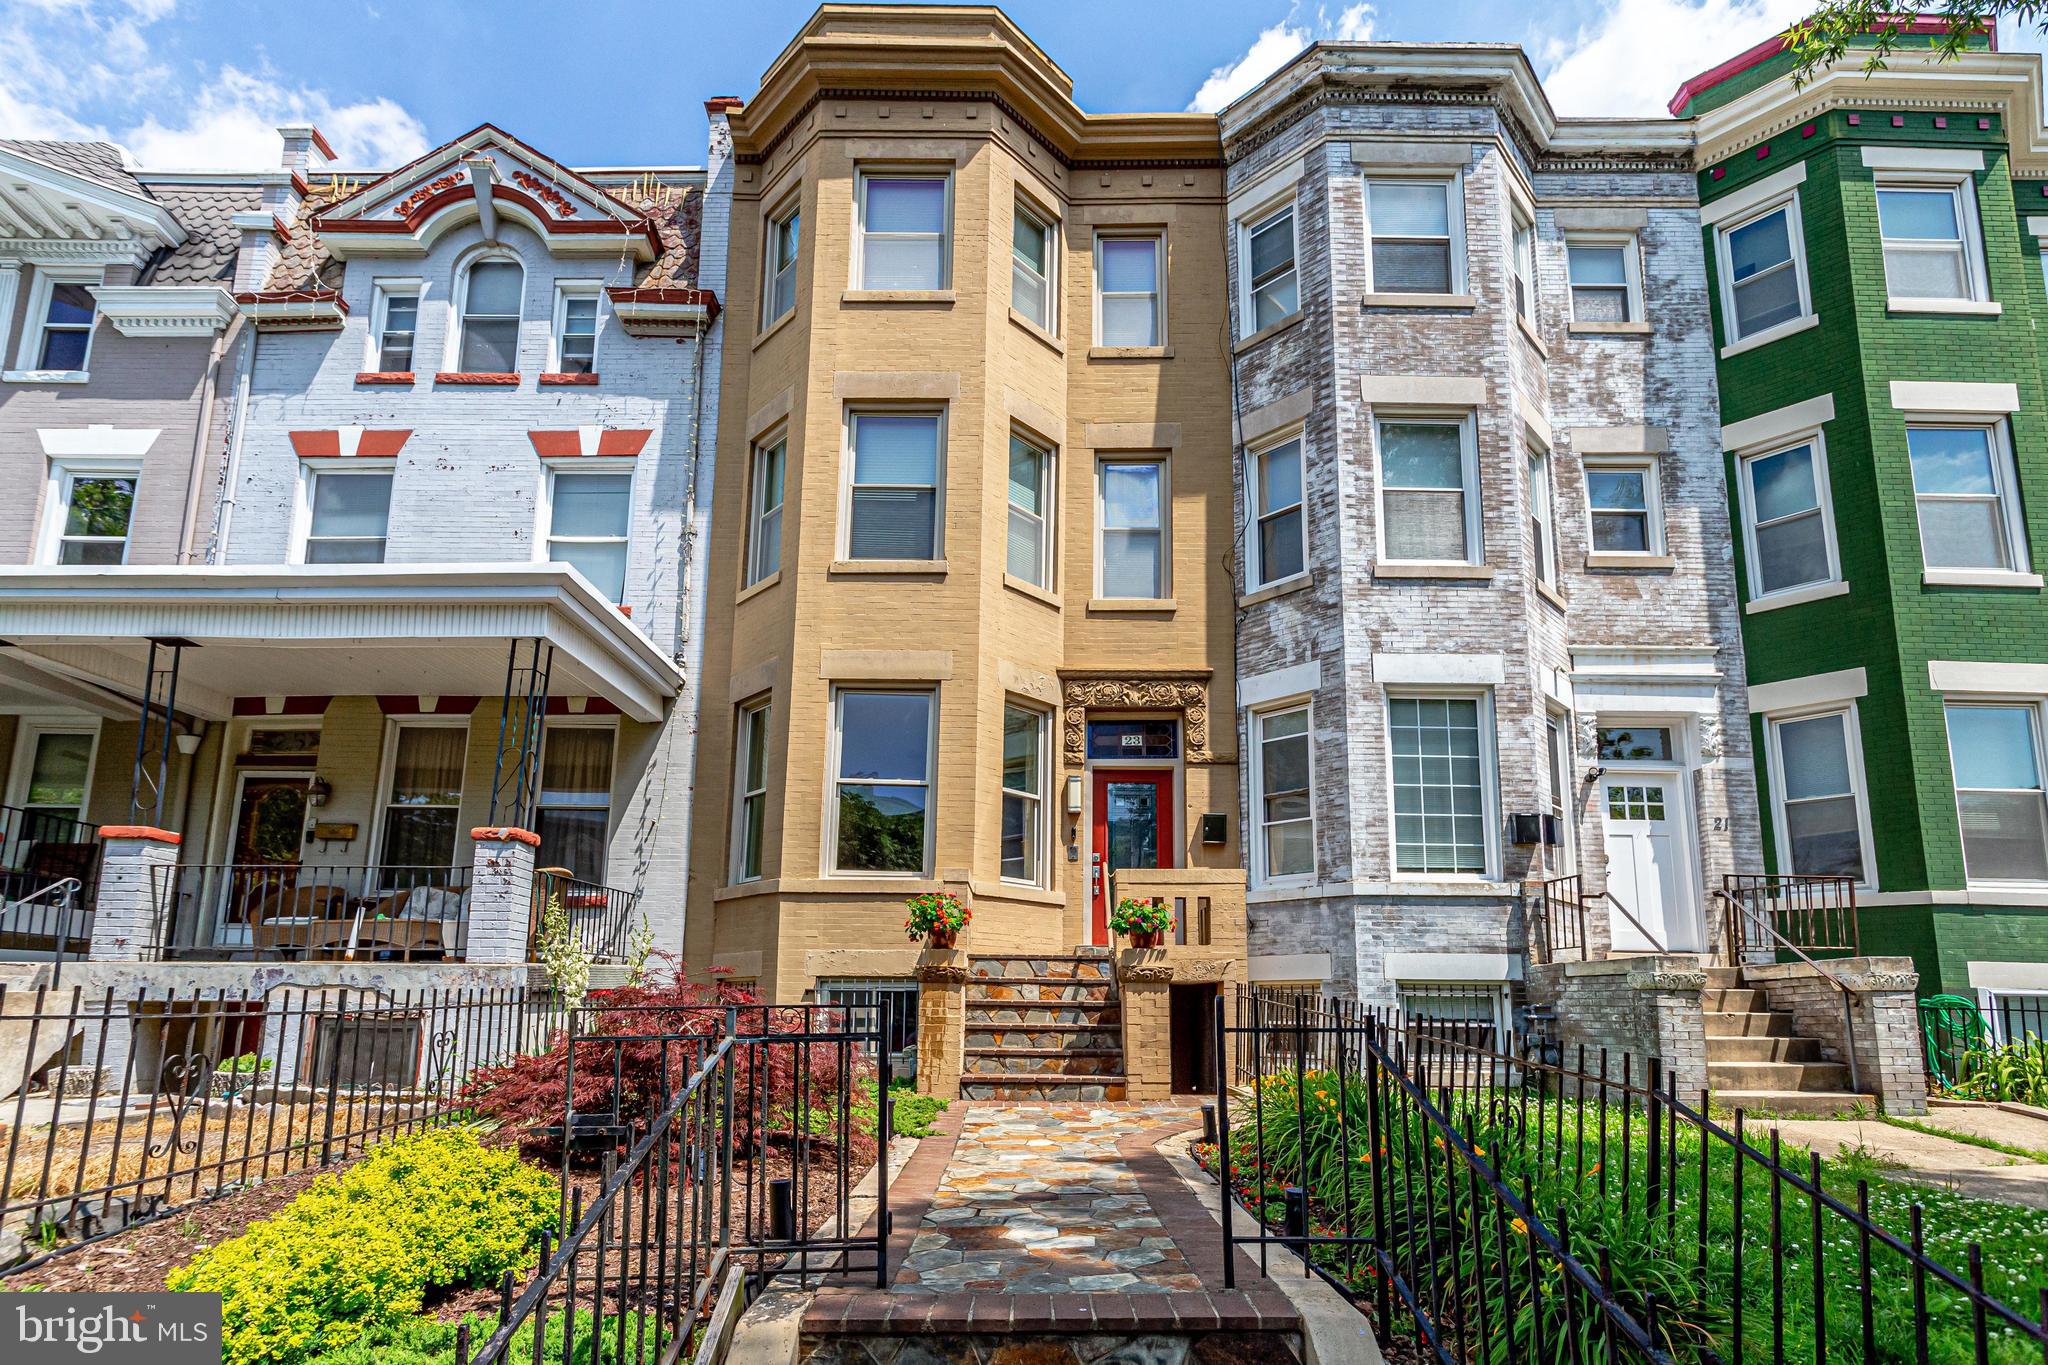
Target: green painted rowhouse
[[1874, 256]]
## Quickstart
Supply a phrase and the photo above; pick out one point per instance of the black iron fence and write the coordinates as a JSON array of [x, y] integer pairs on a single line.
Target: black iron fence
[[1997, 1051], [601, 918], [115, 1109], [373, 912], [49, 875], [1506, 1202], [729, 1138]]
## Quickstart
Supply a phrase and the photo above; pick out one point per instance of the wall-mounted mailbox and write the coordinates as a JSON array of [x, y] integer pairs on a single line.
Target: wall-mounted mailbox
[[1215, 828]]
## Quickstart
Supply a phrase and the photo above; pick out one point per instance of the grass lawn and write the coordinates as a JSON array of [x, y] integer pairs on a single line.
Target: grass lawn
[[1577, 1165]]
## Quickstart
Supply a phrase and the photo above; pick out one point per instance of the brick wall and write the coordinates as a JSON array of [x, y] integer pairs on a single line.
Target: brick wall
[[1630, 1010], [1881, 1028]]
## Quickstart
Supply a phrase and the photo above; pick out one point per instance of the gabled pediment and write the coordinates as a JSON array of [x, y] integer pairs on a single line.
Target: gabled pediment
[[485, 176]]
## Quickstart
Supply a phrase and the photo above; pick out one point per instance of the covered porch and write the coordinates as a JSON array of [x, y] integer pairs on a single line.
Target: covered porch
[[324, 741]]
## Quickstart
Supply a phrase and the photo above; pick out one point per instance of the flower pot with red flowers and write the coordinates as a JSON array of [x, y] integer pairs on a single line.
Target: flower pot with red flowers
[[1144, 922], [937, 918]]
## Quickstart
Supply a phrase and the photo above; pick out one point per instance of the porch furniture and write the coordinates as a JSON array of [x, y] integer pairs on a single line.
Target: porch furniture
[[349, 935]]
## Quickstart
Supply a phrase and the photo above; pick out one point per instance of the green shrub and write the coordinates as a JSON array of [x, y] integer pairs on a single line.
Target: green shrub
[[360, 1250], [424, 1341], [912, 1113]]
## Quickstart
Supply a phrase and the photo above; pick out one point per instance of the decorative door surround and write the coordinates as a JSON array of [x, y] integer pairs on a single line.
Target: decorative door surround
[[1186, 692]]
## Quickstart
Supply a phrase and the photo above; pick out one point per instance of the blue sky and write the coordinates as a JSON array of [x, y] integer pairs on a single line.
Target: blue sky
[[201, 83]]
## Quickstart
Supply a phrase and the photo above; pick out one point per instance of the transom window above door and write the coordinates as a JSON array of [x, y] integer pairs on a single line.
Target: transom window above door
[[1133, 739], [1635, 744]]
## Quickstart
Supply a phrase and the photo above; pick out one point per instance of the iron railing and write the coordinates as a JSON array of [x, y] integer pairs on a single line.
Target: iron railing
[[601, 918], [116, 1109], [1769, 911], [49, 876], [1563, 931], [380, 913], [1998, 1052], [727, 1096], [1522, 1205]]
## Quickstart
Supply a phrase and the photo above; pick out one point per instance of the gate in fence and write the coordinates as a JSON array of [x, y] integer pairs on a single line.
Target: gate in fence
[[1500, 1201]]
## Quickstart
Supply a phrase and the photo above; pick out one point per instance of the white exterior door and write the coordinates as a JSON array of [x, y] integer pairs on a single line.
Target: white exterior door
[[1648, 868]]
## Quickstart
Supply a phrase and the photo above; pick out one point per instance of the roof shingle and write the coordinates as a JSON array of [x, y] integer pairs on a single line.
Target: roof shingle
[[206, 212], [99, 162]]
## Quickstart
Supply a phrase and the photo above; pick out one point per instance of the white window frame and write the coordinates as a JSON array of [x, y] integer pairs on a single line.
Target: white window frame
[[748, 717], [566, 290], [1652, 470], [1988, 998], [310, 472], [1962, 187], [2038, 707], [1165, 465], [1746, 492], [1468, 444], [460, 330], [1495, 992], [1522, 265], [1256, 718], [387, 774], [545, 536], [381, 295], [1630, 247], [868, 174], [36, 321], [1039, 824], [29, 734], [1852, 729], [1157, 236], [1254, 520], [1048, 508], [1795, 231], [758, 511], [1248, 227], [829, 859], [1454, 216], [1542, 476], [790, 207], [2005, 479], [57, 506], [1029, 208], [847, 425], [551, 725], [1489, 779], [1561, 769]]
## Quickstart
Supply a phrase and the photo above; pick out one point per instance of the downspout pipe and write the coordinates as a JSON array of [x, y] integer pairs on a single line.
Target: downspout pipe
[[202, 428], [224, 504]]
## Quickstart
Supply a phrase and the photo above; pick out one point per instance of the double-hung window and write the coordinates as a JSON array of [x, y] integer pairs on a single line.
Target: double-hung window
[[93, 508], [1963, 488], [1429, 497], [1625, 503], [1787, 520], [1763, 271], [1439, 751], [1267, 260], [882, 795], [1416, 234], [1557, 755], [492, 294], [348, 515], [785, 231], [424, 798], [1523, 246], [576, 328], [60, 321], [1024, 777], [1280, 542], [1128, 299], [1281, 794], [1029, 553], [1932, 248], [1995, 749], [750, 798], [1131, 515], [1542, 518], [902, 226], [1032, 246], [55, 794], [1606, 279], [395, 322], [1818, 764], [764, 522], [573, 812], [588, 519], [893, 499]]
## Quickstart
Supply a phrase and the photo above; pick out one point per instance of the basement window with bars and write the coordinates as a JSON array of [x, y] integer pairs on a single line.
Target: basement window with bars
[[863, 1000], [1449, 1022]]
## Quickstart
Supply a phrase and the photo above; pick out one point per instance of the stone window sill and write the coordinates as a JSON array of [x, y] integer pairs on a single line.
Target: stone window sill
[[45, 376], [1979, 578], [1293, 583], [882, 568], [1534, 337], [1551, 595], [1130, 352], [1596, 561], [482, 379], [1474, 572], [756, 589], [1610, 329], [944, 297], [1418, 301], [1031, 590], [559, 379], [1976, 308], [1771, 334], [1269, 331], [393, 377], [1037, 333], [772, 328], [1132, 604], [1793, 597]]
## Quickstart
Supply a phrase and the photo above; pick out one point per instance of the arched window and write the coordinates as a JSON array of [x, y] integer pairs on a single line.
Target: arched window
[[490, 317]]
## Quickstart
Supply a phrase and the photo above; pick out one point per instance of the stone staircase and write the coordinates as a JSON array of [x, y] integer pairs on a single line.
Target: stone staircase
[[1043, 1028], [1756, 1059]]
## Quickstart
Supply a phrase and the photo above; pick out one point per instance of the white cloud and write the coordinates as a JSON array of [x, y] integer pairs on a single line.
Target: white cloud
[[1632, 58], [1275, 47], [86, 69]]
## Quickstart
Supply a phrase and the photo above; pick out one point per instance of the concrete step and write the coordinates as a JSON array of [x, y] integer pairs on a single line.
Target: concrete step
[[1720, 1024], [1812, 1104], [1765, 1049], [1011, 990], [1777, 1076], [1017, 1061], [1727, 1000], [1081, 1037], [986, 1085], [1012, 1014], [1723, 978]]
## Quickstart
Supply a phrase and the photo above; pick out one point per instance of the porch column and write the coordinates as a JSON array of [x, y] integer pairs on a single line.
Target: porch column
[[941, 1020], [501, 894], [125, 923], [1145, 983]]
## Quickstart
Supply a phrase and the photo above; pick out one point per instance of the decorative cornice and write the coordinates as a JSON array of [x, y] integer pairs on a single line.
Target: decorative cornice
[[662, 312], [189, 310], [308, 310], [59, 251]]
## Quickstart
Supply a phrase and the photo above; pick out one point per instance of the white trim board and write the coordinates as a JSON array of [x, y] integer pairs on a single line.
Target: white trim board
[[1921, 395], [2009, 976], [1425, 967], [1947, 675], [1923, 158], [1738, 202], [1778, 424], [1439, 669], [1297, 680], [1289, 967], [1816, 689]]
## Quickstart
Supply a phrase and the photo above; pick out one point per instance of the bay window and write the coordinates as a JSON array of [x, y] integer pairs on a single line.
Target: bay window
[[750, 796], [1029, 552], [883, 786], [1131, 520], [1280, 539], [1440, 783], [1932, 250], [1024, 778], [1787, 520], [1281, 800], [1964, 492], [1819, 788], [1995, 749], [1429, 496], [1267, 262], [1032, 246], [1415, 234], [1763, 271], [901, 230], [893, 500], [1128, 271]]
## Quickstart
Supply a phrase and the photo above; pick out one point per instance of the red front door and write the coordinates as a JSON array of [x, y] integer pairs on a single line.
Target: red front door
[[1133, 814]]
